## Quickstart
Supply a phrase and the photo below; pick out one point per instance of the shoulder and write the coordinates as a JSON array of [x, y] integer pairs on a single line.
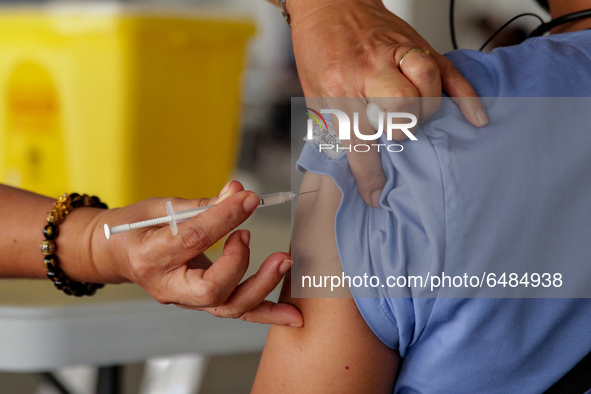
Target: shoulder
[[535, 68]]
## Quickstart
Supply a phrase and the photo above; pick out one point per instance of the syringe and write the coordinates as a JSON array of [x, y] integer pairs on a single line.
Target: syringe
[[173, 217]]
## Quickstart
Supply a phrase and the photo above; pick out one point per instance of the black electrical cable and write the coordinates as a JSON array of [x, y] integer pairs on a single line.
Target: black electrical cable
[[545, 27], [540, 30], [452, 23], [496, 33]]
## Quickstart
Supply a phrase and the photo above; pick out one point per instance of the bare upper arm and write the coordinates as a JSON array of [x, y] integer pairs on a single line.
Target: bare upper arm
[[335, 351]]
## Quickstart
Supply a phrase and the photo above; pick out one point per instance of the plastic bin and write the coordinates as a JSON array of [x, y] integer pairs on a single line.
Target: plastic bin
[[119, 104]]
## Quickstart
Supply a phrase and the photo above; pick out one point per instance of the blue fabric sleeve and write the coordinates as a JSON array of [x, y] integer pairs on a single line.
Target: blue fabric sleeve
[[381, 242]]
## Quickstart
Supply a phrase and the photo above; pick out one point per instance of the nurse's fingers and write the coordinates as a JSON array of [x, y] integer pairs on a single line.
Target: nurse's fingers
[[204, 288], [281, 314], [248, 303], [199, 233], [460, 90], [393, 92], [422, 71]]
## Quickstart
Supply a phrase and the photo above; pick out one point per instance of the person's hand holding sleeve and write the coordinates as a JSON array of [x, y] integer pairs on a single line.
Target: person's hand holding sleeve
[[352, 48]]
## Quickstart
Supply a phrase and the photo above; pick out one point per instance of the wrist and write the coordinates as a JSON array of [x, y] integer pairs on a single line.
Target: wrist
[[107, 263], [79, 248]]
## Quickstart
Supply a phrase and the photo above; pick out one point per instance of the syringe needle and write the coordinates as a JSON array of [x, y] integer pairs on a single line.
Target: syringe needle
[[311, 191]]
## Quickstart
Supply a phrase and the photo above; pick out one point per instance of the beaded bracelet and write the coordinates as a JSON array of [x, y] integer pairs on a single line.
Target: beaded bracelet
[[62, 207], [284, 12]]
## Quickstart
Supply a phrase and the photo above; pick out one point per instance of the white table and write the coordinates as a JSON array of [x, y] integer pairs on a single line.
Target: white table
[[43, 330]]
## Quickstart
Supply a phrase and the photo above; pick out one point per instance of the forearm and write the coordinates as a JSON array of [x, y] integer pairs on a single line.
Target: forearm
[[23, 217], [299, 7]]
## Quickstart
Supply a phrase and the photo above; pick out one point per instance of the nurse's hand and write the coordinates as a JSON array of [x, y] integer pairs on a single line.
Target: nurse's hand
[[352, 48], [174, 270]]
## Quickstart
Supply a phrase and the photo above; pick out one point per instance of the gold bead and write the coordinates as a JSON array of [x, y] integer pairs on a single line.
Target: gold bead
[[64, 203], [63, 209], [58, 216], [48, 247], [54, 218], [63, 198]]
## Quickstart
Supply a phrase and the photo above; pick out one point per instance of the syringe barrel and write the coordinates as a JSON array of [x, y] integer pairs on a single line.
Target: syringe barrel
[[275, 198]]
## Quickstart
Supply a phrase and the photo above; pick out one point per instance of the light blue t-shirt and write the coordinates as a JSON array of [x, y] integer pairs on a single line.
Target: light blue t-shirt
[[498, 193]]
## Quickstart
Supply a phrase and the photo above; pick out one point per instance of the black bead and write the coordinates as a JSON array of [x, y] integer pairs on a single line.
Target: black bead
[[50, 232], [76, 200], [51, 262], [102, 205], [94, 201], [51, 275], [77, 290]]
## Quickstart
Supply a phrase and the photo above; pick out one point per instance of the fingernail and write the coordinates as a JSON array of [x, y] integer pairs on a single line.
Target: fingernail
[[375, 198], [296, 325], [225, 189], [245, 237], [284, 267], [250, 202], [481, 117]]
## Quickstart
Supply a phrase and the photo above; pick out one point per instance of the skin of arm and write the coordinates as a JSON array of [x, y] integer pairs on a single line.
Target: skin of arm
[[172, 269], [335, 351]]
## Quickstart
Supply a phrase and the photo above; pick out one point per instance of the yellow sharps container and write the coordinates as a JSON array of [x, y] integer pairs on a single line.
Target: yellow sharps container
[[118, 104]]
